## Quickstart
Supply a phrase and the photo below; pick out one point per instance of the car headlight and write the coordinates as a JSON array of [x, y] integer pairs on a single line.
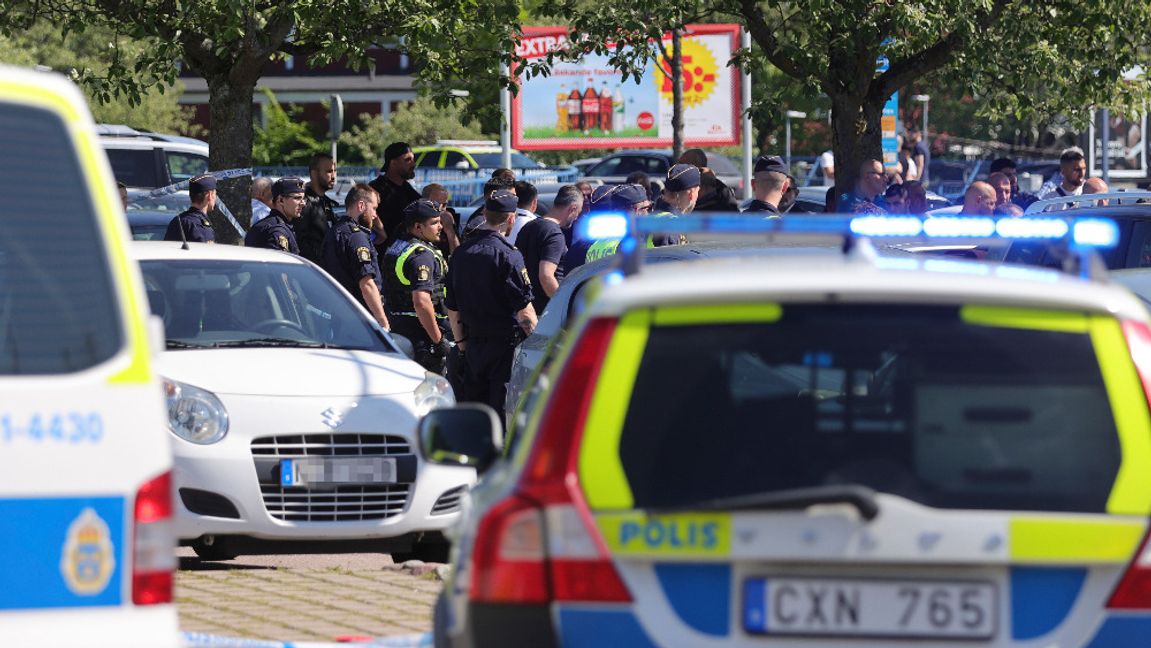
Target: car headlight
[[195, 414], [432, 393]]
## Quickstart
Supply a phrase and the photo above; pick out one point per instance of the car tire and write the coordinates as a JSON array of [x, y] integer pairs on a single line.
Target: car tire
[[213, 548], [429, 552]]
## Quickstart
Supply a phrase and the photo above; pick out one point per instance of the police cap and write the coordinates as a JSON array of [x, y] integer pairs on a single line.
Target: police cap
[[202, 183], [601, 198], [287, 187], [771, 164], [420, 211], [626, 196], [501, 201], [682, 177]]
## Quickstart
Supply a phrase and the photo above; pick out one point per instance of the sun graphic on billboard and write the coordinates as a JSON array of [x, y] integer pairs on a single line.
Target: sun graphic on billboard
[[699, 73]]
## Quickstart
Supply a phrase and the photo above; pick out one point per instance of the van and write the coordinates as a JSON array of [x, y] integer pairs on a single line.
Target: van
[[87, 554]]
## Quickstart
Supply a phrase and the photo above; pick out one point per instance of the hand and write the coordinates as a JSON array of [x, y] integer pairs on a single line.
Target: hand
[[448, 217], [384, 323], [528, 324], [440, 349]]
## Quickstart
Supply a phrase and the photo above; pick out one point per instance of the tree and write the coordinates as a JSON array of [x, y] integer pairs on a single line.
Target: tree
[[285, 140], [228, 43], [77, 54], [1024, 58]]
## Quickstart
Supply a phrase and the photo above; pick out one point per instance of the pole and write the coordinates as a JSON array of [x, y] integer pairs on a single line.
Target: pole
[[787, 140], [1105, 135], [745, 107], [926, 141], [335, 121], [505, 119]]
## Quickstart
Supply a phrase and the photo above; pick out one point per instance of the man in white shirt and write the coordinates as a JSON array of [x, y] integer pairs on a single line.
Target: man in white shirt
[[261, 192], [528, 199], [827, 164], [1073, 173]]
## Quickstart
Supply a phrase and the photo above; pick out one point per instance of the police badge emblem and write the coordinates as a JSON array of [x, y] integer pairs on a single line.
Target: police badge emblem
[[364, 254], [282, 241], [423, 272], [88, 558], [527, 280]]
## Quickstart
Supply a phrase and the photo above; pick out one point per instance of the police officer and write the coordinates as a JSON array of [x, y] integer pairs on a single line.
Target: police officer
[[348, 255], [274, 231], [318, 213], [414, 273], [629, 199], [194, 220], [680, 191], [489, 302], [769, 184]]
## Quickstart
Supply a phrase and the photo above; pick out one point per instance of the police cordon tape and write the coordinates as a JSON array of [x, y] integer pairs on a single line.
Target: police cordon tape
[[226, 174], [201, 640]]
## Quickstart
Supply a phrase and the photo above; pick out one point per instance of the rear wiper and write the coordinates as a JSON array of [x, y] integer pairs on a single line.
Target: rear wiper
[[861, 497], [272, 342]]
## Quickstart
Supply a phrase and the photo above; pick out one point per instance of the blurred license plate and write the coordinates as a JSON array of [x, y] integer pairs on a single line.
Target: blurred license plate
[[870, 608], [342, 470]]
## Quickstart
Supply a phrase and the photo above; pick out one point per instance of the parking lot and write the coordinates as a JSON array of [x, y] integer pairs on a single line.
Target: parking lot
[[292, 598]]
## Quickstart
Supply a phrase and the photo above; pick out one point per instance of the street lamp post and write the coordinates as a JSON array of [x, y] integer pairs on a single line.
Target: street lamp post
[[788, 115], [926, 101]]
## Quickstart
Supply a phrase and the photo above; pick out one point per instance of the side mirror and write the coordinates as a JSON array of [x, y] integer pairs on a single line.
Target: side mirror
[[404, 344], [469, 434]]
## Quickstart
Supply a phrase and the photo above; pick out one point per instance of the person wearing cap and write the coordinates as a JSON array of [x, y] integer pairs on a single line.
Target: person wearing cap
[[680, 191], [543, 246], [414, 273], [192, 225], [274, 231], [489, 302], [318, 213], [348, 255], [494, 184], [396, 192], [769, 182], [714, 194]]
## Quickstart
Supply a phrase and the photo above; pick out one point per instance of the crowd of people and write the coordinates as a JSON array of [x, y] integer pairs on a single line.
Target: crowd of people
[[466, 290]]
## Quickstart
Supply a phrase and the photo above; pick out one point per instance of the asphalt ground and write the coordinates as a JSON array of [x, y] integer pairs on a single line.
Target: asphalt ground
[[294, 598]]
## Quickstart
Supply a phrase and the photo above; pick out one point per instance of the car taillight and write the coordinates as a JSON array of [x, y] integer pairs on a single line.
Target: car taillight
[[1134, 589], [154, 545], [541, 544]]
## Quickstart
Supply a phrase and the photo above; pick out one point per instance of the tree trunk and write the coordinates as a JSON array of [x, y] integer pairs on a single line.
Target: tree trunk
[[676, 93], [856, 136], [230, 142]]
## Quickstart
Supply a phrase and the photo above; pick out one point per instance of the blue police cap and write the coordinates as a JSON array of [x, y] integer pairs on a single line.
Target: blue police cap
[[681, 177], [601, 198], [772, 164], [420, 211], [501, 200], [202, 183], [287, 187], [629, 195]]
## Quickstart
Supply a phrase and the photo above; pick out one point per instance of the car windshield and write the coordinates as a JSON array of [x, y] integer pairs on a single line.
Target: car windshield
[[913, 401], [494, 161], [216, 303], [174, 202]]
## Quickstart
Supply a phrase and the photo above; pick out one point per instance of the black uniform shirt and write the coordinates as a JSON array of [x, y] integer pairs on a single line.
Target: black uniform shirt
[[541, 240], [197, 227], [393, 199], [348, 255], [312, 225], [272, 232], [488, 284], [758, 205]]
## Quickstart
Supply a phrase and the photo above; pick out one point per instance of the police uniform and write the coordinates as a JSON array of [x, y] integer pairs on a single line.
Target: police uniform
[[488, 285], [273, 231], [620, 198], [767, 164], [411, 264], [348, 255], [197, 228]]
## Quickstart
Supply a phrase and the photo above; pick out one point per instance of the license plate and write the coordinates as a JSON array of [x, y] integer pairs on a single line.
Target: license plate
[[870, 608], [341, 470]]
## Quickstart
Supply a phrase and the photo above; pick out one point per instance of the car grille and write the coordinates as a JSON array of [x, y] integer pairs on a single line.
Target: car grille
[[343, 444], [449, 502], [343, 503], [338, 504]]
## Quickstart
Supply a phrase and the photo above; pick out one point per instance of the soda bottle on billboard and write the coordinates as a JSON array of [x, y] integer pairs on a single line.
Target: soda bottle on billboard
[[617, 105], [562, 109], [605, 109], [590, 107], [574, 117]]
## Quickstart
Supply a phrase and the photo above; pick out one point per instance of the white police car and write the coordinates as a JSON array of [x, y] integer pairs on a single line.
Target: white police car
[[86, 544], [814, 452]]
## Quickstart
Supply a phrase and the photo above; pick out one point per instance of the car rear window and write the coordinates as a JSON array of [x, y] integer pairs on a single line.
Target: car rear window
[[906, 400], [135, 167], [58, 310]]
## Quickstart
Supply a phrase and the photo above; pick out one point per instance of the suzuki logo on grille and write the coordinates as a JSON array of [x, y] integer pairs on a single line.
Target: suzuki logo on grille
[[333, 417]]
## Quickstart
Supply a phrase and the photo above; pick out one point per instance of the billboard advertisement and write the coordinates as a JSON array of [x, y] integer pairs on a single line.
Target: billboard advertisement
[[587, 104]]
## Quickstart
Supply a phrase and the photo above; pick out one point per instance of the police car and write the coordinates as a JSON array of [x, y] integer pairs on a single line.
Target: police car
[[822, 452], [86, 542], [292, 415]]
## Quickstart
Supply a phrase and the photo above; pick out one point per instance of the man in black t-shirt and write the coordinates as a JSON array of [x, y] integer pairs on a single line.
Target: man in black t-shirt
[[542, 243], [396, 192]]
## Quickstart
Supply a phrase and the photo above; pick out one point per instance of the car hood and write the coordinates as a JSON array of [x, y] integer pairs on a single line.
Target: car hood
[[292, 372]]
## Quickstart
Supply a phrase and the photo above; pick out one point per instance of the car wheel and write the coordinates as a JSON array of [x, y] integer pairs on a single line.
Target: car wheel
[[428, 552], [213, 548]]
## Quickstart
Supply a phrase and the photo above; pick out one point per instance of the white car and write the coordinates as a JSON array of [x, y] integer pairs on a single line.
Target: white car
[[292, 414]]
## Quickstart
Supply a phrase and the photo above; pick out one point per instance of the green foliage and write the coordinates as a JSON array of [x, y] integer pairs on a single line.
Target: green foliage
[[419, 123], [90, 54], [285, 141]]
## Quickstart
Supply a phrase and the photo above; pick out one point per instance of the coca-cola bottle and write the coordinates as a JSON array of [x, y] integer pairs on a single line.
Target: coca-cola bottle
[[605, 111], [589, 107], [574, 120]]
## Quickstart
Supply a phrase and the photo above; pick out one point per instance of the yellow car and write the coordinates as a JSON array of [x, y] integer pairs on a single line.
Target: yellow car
[[469, 155]]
